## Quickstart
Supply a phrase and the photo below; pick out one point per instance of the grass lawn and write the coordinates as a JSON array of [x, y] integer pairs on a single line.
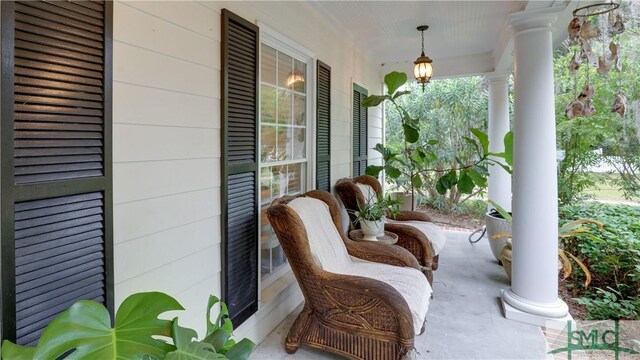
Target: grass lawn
[[604, 190]]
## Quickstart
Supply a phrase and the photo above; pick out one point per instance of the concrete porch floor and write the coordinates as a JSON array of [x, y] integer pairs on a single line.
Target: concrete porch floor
[[465, 317]]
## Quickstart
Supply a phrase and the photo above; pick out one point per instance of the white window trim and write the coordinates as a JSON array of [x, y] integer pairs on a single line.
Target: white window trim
[[274, 39]]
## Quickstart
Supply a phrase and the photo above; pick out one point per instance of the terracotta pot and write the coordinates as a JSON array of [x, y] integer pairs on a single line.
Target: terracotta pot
[[496, 225], [371, 229]]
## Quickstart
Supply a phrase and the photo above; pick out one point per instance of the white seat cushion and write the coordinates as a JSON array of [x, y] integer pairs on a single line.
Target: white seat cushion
[[330, 253], [433, 232], [409, 282]]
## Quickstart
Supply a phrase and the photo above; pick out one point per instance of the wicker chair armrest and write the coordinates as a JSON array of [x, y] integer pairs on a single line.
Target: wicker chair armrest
[[357, 293], [382, 253], [412, 238], [411, 216]]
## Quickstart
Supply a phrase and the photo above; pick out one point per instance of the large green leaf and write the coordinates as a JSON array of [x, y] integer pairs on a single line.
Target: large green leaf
[[411, 134], [508, 148], [373, 170], [482, 137], [11, 351], [373, 100], [465, 183], [86, 327], [394, 80], [241, 350], [187, 348], [222, 320], [392, 171], [400, 93], [477, 178]]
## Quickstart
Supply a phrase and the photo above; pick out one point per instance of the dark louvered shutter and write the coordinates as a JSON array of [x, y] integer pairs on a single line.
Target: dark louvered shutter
[[240, 44], [56, 161], [360, 131], [323, 128]]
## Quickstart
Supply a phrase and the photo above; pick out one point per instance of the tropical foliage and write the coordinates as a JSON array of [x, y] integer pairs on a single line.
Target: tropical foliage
[[456, 163], [612, 255], [84, 332]]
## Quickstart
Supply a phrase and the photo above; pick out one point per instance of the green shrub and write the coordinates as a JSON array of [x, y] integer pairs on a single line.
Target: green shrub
[[613, 257]]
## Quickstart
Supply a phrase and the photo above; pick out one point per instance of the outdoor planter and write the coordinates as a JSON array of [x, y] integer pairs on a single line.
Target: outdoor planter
[[496, 225], [407, 200], [371, 229]]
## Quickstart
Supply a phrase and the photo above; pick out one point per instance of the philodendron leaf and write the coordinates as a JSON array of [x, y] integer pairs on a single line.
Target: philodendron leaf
[[218, 339], [374, 100], [482, 137], [508, 148], [411, 134], [465, 183], [187, 348], [17, 352], [222, 320], [241, 350], [86, 327], [394, 80]]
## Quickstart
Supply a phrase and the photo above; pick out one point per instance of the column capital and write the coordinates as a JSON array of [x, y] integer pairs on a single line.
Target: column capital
[[541, 19], [497, 76]]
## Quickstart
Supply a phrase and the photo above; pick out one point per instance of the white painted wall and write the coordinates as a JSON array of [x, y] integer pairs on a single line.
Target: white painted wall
[[166, 143]]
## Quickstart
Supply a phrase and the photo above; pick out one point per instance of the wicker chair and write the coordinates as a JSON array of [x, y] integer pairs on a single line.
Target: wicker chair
[[356, 304], [408, 225]]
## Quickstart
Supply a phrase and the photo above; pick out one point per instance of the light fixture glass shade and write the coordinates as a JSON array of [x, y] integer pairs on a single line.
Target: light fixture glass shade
[[422, 70], [294, 78]]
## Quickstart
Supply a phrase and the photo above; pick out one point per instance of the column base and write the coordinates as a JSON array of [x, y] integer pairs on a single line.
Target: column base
[[553, 315]]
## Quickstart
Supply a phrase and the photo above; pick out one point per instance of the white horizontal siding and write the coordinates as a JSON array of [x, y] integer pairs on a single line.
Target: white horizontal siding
[[167, 137], [166, 151]]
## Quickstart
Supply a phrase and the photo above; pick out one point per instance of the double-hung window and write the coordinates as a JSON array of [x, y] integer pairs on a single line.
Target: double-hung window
[[284, 141]]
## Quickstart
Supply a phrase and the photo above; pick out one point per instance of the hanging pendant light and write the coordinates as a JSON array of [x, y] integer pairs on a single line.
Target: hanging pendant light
[[422, 69]]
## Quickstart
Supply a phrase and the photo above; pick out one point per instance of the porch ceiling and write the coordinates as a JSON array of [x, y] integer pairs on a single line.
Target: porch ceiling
[[465, 37]]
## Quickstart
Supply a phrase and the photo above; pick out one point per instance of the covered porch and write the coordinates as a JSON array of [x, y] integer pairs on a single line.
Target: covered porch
[[186, 188], [465, 318]]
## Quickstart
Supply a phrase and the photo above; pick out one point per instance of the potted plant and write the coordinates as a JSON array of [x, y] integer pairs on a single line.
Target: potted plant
[[372, 214], [415, 161], [498, 221], [569, 230]]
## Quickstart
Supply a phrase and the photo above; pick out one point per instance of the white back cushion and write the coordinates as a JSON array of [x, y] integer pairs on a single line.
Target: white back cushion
[[368, 192], [326, 245]]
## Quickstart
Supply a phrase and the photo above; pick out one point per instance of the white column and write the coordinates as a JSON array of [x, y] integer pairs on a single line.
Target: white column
[[533, 296], [499, 179]]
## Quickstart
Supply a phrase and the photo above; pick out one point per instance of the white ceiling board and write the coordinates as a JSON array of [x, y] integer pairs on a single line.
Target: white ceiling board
[[386, 30]]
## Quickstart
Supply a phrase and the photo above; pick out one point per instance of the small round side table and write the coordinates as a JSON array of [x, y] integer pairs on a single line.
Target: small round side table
[[387, 238]]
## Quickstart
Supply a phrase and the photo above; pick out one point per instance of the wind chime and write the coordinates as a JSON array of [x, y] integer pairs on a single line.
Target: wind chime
[[583, 32]]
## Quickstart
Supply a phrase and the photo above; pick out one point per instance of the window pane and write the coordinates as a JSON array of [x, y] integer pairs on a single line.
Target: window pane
[[299, 144], [266, 180], [285, 69], [295, 184], [272, 256], [299, 109], [268, 151], [300, 70], [268, 65], [284, 107], [284, 149], [267, 104]]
